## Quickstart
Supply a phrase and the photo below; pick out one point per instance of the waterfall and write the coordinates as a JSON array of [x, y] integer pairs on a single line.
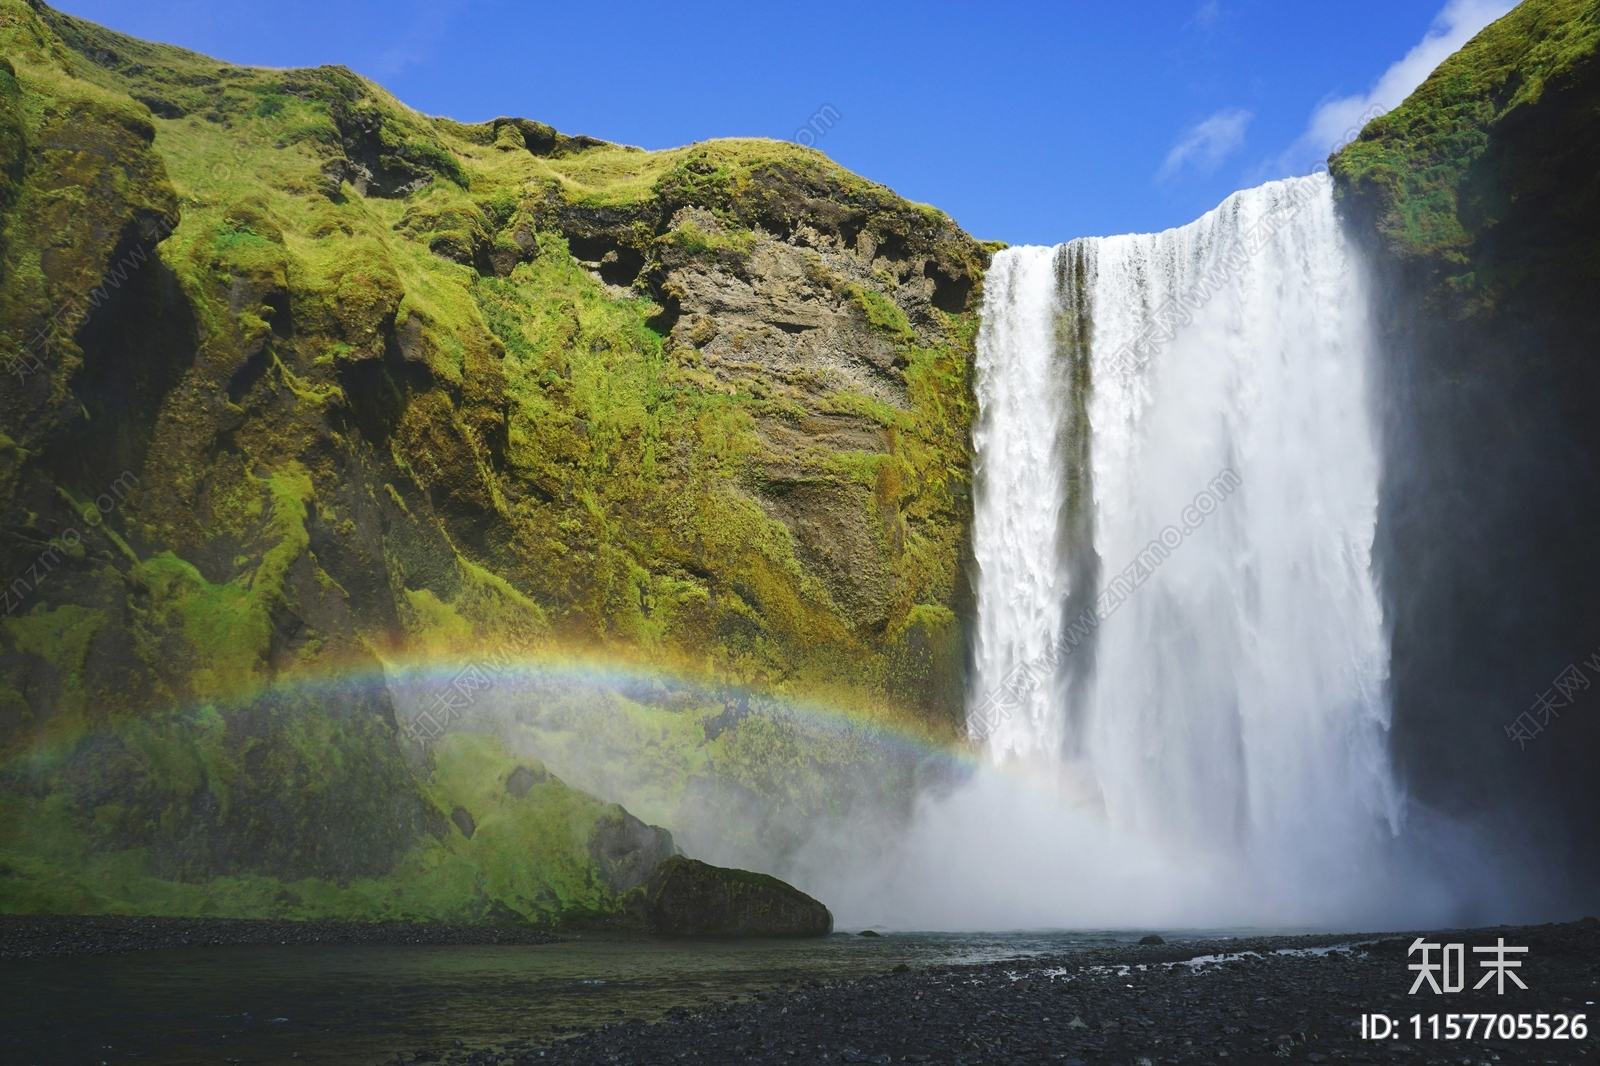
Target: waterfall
[[1025, 421], [1176, 494]]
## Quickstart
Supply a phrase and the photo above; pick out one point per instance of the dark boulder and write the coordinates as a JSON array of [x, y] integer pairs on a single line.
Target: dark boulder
[[688, 897], [1151, 939], [523, 779], [463, 819]]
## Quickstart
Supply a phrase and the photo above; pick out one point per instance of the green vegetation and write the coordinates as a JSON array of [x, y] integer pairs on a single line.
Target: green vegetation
[[141, 851], [1476, 184], [882, 312], [391, 388]]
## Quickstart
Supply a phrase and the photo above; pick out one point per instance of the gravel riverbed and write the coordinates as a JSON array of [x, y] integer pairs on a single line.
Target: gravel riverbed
[[1258, 1000], [1317, 999]]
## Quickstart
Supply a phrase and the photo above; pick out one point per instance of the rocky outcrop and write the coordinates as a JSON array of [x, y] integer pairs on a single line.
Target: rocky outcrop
[[626, 850], [802, 319], [523, 779], [691, 898], [831, 302]]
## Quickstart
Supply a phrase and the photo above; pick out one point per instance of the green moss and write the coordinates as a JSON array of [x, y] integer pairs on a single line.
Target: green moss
[[61, 638], [226, 631], [530, 854], [690, 239], [1425, 176], [13, 135], [528, 860], [882, 313]]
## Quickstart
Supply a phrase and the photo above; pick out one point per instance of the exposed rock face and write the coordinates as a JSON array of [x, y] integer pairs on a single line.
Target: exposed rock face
[[821, 297], [522, 779], [626, 850], [784, 311], [1479, 201], [803, 318], [689, 897]]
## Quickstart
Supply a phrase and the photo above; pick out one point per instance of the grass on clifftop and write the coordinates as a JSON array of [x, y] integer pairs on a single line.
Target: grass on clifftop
[[1415, 165]]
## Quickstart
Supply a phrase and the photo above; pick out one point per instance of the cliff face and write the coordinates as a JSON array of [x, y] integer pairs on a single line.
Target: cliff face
[[1479, 200], [304, 385]]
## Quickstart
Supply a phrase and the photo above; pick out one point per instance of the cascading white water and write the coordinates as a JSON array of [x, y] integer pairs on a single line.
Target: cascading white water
[[1231, 705], [1238, 694], [1023, 405]]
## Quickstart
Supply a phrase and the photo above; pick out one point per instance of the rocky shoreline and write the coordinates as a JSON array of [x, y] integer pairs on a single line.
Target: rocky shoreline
[[1222, 1001], [1257, 1000], [28, 936]]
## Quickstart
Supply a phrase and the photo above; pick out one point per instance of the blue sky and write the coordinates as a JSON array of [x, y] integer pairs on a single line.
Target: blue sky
[[1029, 123]]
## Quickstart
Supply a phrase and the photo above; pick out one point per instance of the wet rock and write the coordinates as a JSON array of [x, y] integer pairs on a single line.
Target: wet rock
[[626, 849], [868, 932], [688, 897], [522, 779], [463, 820], [1151, 939]]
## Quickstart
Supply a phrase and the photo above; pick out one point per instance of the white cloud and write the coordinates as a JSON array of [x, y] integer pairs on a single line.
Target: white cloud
[[421, 26], [1207, 15], [1206, 145], [1336, 120]]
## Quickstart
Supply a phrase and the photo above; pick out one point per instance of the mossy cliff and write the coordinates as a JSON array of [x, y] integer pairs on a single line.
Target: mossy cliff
[[304, 385], [1479, 201]]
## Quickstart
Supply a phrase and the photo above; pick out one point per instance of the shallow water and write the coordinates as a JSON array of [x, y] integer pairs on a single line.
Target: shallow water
[[358, 1005]]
